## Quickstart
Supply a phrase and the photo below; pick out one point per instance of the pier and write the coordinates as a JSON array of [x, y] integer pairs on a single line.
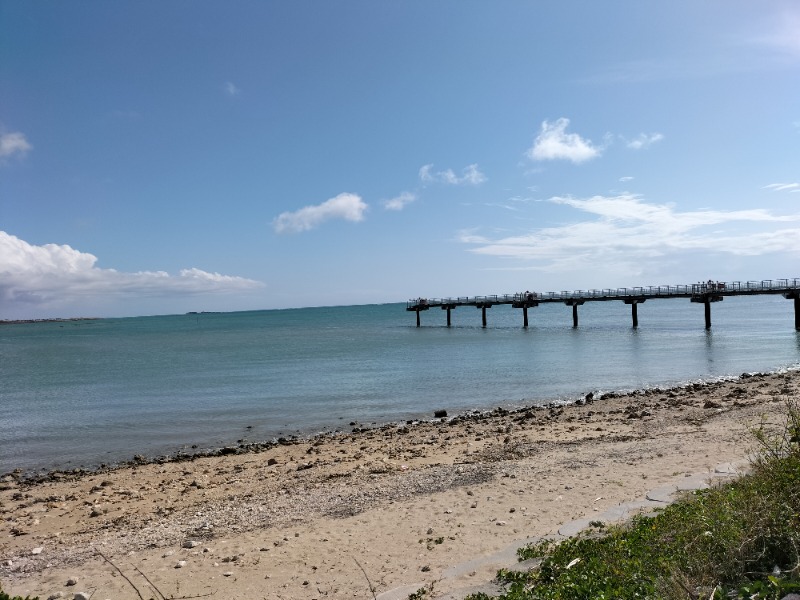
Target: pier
[[704, 293]]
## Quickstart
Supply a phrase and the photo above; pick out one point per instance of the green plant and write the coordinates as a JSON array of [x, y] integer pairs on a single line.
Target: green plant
[[741, 540]]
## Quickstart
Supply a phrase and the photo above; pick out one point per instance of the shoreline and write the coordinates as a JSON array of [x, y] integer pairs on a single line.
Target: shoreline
[[406, 501], [43, 474]]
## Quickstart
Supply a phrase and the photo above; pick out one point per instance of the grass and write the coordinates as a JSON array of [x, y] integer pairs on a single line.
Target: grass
[[737, 541]]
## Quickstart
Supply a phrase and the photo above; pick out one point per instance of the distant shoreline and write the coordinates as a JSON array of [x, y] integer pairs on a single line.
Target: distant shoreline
[[57, 320]]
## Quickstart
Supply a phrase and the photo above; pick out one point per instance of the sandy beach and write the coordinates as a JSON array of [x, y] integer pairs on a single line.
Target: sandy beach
[[380, 511]]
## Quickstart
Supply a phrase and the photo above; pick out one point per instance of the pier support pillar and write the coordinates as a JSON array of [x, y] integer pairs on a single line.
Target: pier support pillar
[[796, 297], [574, 304], [797, 312], [635, 302], [707, 299], [525, 314], [418, 318], [448, 316], [483, 316]]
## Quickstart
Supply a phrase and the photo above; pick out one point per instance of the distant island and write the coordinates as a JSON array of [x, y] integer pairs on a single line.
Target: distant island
[[55, 320]]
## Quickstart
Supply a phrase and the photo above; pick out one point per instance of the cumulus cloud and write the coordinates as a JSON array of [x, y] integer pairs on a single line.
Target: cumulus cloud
[[644, 140], [554, 143], [470, 175], [399, 202], [13, 144], [783, 187], [345, 206], [55, 274], [625, 229]]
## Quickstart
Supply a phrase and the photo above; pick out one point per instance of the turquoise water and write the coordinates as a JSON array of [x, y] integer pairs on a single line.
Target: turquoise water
[[84, 393]]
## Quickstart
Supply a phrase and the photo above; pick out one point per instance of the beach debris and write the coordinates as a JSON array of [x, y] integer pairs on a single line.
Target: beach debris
[[573, 562]]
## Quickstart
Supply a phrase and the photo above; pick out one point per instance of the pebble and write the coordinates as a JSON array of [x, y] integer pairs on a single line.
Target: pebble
[[55, 596], [72, 581], [37, 550], [227, 573], [81, 596], [191, 544], [180, 564]]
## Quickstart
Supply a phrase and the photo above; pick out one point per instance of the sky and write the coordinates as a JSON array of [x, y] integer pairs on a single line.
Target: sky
[[166, 157]]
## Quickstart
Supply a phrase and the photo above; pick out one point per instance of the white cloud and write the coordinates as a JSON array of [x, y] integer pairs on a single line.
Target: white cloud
[[399, 202], [644, 140], [231, 89], [345, 206], [471, 175], [554, 143], [626, 230], [57, 274], [783, 187], [626, 178], [13, 144], [783, 34]]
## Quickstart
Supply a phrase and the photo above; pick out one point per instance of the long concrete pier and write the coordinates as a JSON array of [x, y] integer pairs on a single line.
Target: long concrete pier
[[706, 293]]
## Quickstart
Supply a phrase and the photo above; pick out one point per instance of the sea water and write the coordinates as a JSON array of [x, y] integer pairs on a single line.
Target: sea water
[[84, 393]]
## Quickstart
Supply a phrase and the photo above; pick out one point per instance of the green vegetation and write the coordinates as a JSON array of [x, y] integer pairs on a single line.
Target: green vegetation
[[737, 541], [4, 596]]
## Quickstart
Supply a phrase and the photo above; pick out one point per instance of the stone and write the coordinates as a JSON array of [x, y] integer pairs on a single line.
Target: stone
[[191, 544], [55, 596], [180, 564], [72, 581], [82, 596], [37, 550]]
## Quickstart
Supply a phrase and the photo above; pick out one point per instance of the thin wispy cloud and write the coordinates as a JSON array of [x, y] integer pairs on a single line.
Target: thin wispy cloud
[[470, 175], [783, 187], [14, 144], [55, 274], [554, 143], [399, 202], [231, 89], [644, 140], [782, 34], [349, 207], [626, 178], [625, 229]]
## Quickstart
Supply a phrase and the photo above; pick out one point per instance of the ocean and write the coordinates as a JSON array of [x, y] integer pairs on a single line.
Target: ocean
[[85, 393]]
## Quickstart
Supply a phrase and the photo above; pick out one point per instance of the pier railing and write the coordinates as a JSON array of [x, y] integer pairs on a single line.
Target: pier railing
[[702, 291]]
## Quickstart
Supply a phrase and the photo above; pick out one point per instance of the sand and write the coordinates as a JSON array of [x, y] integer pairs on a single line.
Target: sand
[[377, 513]]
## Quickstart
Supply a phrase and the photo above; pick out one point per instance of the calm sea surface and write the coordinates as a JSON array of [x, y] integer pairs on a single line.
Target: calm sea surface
[[89, 392]]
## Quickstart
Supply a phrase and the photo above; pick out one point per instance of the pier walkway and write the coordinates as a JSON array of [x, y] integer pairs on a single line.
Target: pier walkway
[[702, 292]]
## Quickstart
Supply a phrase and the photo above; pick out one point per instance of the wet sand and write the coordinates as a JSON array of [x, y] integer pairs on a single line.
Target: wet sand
[[346, 515]]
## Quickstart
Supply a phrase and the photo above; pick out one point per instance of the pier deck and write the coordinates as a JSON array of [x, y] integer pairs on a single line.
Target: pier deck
[[702, 292]]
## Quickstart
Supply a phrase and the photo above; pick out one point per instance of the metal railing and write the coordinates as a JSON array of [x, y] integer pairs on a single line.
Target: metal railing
[[721, 288]]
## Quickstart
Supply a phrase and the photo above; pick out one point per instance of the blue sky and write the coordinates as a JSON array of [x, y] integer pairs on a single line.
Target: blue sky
[[162, 157]]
